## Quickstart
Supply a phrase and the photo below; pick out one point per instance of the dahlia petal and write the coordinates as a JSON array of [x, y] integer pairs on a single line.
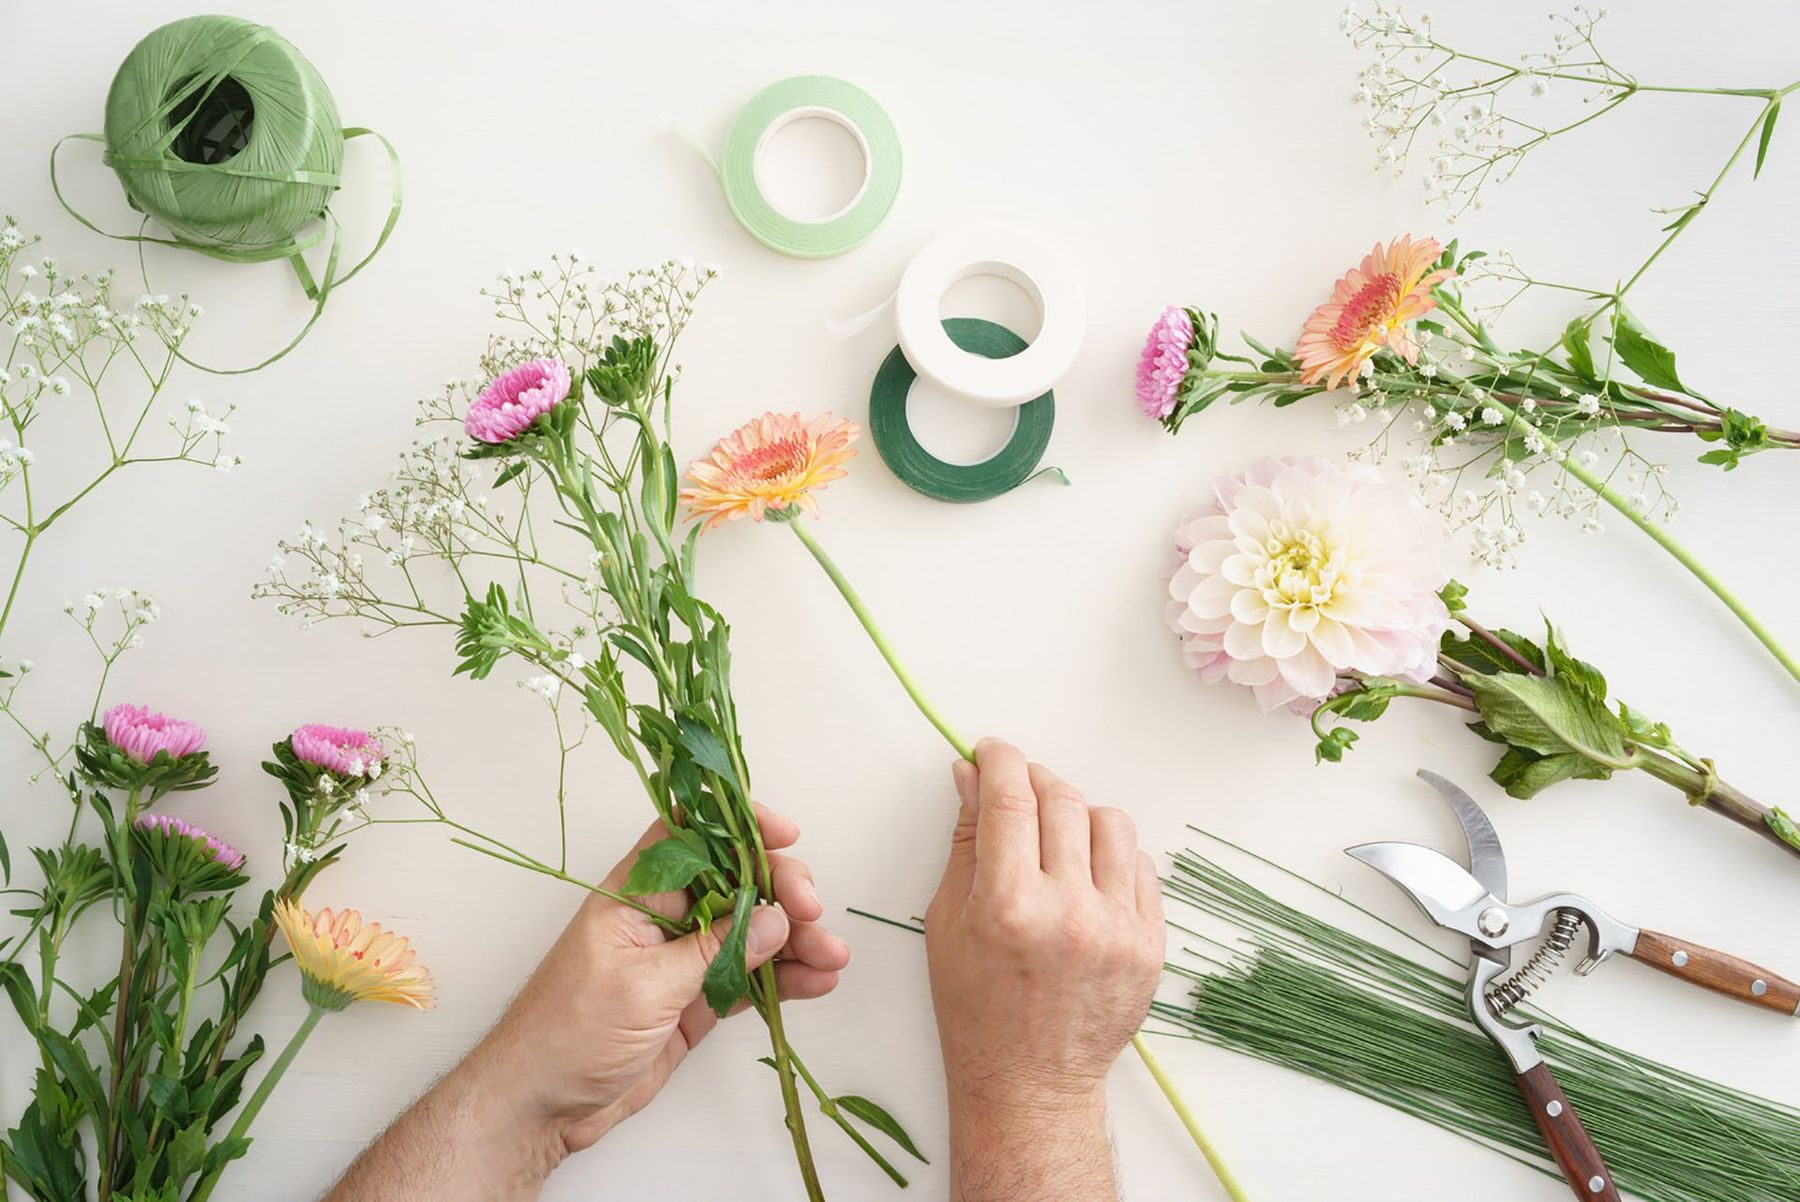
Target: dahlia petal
[[1279, 638]]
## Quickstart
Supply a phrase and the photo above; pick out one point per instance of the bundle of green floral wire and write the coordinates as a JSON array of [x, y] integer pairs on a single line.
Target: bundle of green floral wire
[[1301, 992]]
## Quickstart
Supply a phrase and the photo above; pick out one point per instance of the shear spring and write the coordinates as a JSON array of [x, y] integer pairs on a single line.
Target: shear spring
[[1508, 994]]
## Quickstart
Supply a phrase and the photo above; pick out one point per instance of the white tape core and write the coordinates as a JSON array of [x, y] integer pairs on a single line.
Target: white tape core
[[829, 114], [1044, 274]]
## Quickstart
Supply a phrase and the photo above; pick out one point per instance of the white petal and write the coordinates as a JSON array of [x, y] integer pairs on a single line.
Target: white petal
[[1244, 642], [1249, 607], [1280, 639]]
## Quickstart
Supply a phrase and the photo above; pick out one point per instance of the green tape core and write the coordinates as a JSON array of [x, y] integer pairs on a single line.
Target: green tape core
[[962, 483]]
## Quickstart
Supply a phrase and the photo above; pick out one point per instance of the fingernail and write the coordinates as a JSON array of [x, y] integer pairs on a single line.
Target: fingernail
[[768, 931]]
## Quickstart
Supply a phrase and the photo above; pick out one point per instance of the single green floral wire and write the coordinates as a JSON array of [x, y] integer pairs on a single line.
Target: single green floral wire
[[967, 750]]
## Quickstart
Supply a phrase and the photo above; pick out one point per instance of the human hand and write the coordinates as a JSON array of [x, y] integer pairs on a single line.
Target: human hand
[[615, 1006], [1045, 944]]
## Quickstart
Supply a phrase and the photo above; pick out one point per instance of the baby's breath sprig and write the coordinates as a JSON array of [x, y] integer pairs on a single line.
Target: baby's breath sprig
[[1476, 117]]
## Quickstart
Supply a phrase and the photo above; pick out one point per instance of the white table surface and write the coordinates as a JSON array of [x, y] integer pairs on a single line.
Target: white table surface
[[1180, 152]]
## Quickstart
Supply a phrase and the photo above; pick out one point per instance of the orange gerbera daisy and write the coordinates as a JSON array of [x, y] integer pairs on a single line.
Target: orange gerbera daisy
[[344, 960], [1369, 309], [768, 466]]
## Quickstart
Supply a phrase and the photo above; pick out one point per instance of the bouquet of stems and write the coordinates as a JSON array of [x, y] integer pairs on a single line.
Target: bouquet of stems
[[570, 420], [148, 1065], [1495, 432]]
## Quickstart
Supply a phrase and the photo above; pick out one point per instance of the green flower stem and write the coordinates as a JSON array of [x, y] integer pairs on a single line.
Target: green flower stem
[[1226, 1178], [967, 750], [264, 1088], [1661, 537], [1706, 789], [963, 747]]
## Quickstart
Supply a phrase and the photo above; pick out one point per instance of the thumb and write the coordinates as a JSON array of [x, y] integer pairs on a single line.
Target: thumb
[[680, 965], [959, 872]]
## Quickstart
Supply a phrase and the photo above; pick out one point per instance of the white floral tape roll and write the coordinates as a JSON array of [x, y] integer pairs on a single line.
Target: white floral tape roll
[[990, 249]]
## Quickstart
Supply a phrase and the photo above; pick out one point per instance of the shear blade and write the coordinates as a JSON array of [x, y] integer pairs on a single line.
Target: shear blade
[[1487, 861], [1438, 885]]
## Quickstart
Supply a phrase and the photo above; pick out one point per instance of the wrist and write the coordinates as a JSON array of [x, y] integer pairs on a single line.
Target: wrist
[[513, 1143]]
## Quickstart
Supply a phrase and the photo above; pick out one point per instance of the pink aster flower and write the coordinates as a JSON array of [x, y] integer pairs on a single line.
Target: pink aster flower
[[337, 749], [221, 852], [1300, 570], [141, 734], [1164, 362], [508, 406]]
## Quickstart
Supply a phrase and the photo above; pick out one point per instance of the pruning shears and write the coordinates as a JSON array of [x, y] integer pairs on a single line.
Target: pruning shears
[[1473, 901]]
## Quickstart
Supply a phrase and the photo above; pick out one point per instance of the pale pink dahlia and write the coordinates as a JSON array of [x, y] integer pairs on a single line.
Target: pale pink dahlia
[[337, 749], [1164, 362], [508, 406], [1301, 570], [140, 734], [221, 852]]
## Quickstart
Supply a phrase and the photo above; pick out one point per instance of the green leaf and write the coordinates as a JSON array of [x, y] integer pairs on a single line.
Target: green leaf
[[1548, 715], [1782, 825], [1645, 730], [1653, 362], [707, 750], [882, 1121], [1580, 351], [1525, 773], [1473, 651], [1768, 131], [727, 980], [1453, 596], [1333, 745], [1579, 674], [72, 1059], [665, 866]]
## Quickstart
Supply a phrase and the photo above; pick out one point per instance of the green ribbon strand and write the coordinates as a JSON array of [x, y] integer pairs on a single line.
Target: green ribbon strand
[[962, 483], [224, 134]]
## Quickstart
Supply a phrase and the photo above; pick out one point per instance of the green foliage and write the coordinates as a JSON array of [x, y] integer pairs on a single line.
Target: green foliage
[[1768, 131], [625, 373], [106, 766], [1784, 826], [1365, 703], [727, 981], [490, 631], [1653, 362], [668, 865], [1742, 435], [1454, 595]]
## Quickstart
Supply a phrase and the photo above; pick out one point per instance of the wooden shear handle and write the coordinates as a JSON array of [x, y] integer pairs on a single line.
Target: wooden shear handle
[[1717, 971], [1566, 1138]]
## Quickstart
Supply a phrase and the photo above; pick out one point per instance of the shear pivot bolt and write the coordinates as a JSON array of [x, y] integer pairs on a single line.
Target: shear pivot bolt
[[1492, 922], [1596, 1183], [1679, 959]]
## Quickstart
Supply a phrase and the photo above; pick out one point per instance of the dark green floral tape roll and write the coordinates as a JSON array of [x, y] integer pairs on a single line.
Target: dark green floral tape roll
[[960, 482]]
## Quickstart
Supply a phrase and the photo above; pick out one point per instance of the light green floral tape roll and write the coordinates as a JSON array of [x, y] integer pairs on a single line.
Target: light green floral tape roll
[[224, 134], [791, 100]]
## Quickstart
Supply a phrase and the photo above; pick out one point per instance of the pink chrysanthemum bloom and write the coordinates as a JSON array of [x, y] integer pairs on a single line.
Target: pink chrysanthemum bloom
[[521, 395], [1300, 570], [1370, 308], [337, 749], [768, 466], [1164, 363], [221, 852], [141, 734]]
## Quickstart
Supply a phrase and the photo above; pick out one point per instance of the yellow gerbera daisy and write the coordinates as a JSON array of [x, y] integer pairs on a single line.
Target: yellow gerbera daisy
[[769, 466], [344, 960], [1369, 309]]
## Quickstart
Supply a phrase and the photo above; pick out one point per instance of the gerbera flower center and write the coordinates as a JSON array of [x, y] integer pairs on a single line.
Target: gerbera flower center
[[1298, 569], [1370, 311], [773, 461]]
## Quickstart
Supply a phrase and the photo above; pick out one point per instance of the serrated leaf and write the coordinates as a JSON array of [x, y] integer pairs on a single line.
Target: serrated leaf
[[1548, 715], [666, 866], [1454, 596], [1524, 773], [707, 750], [1580, 351], [882, 1121], [727, 979], [1653, 362], [1579, 674], [1475, 652]]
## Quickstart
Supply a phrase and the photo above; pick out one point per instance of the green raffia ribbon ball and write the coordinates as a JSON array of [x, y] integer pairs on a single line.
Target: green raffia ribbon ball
[[222, 131], [900, 448]]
